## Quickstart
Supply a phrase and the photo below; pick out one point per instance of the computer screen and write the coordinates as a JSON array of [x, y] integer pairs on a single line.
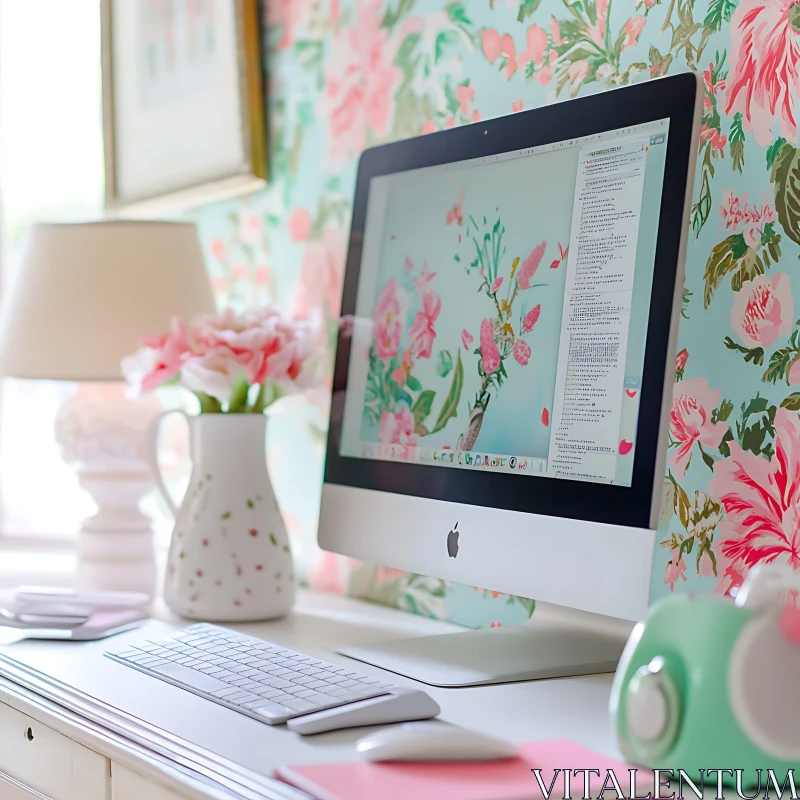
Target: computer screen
[[502, 307]]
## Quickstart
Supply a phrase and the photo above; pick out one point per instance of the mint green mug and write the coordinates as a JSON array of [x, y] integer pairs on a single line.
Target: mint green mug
[[707, 684]]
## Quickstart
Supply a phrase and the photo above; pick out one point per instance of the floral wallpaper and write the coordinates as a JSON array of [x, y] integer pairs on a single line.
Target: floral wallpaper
[[346, 74]]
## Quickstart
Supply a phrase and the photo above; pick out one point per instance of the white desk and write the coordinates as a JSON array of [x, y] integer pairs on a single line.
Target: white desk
[[210, 751]]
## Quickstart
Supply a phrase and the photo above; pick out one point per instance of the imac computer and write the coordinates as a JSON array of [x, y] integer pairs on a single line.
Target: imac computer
[[502, 388]]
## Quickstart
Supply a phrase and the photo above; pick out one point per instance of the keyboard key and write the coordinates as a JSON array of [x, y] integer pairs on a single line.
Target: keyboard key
[[189, 677], [223, 694], [248, 697], [300, 705]]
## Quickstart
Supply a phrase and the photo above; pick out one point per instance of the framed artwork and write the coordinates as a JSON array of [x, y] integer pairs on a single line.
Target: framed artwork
[[183, 102]]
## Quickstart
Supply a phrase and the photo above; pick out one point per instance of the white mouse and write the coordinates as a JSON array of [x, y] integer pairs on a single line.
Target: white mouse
[[432, 741]]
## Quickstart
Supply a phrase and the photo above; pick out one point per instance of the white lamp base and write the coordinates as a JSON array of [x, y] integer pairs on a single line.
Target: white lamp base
[[102, 435]]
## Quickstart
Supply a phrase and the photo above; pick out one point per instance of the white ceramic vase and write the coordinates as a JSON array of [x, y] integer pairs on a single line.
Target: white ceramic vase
[[229, 558]]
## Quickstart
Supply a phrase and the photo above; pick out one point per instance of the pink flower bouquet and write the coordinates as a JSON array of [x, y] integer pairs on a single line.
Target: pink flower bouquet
[[234, 363]]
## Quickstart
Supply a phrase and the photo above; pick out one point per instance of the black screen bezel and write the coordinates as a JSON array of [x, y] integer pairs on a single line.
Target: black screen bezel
[[670, 98]]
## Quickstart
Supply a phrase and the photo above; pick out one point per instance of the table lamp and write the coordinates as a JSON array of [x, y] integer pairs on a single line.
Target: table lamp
[[84, 296]]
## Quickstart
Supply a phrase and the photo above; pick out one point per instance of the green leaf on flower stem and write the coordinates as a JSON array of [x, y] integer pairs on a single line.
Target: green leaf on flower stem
[[526, 8], [756, 355], [719, 10], [413, 383], [723, 259], [779, 363], [422, 406], [238, 401], [786, 178], [450, 406], [709, 461], [722, 413], [702, 208], [792, 402], [773, 150], [208, 404], [736, 139]]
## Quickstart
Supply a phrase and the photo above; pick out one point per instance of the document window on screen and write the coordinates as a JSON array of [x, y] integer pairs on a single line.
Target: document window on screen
[[502, 307]]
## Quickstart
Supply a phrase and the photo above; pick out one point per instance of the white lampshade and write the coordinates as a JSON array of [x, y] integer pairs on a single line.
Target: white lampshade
[[86, 293]]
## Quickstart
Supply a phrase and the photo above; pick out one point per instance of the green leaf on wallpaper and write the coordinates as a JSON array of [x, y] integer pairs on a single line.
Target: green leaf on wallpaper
[[702, 208], [451, 97], [444, 363], [719, 11], [413, 383], [786, 177], [394, 14], [722, 413], [450, 406], [792, 402], [752, 437], [457, 13], [526, 8], [773, 150], [756, 355], [736, 139], [443, 41], [779, 363], [422, 406], [724, 258]]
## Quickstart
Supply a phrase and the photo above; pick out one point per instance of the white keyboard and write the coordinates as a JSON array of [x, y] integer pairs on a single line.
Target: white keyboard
[[268, 682]]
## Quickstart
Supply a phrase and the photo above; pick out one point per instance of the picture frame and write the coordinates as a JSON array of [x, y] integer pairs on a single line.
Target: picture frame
[[184, 120]]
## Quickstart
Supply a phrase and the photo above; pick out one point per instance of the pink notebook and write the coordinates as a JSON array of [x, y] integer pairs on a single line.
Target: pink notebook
[[509, 779]]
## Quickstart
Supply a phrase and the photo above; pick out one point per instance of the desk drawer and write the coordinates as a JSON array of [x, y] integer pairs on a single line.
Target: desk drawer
[[49, 763], [127, 785]]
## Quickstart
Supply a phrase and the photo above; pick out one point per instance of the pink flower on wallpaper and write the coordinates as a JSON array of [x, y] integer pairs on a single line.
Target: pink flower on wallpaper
[[545, 417], [490, 41], [516, 106], [327, 573], [361, 79], [676, 570], [711, 87], [717, 139], [522, 352], [490, 355], [738, 216], [397, 428], [456, 213], [530, 265], [681, 359], [464, 95], [400, 375], [408, 265], [287, 15], [761, 499], [633, 29], [763, 310], [422, 333], [429, 126], [690, 421], [299, 224], [321, 275], [531, 318], [577, 71], [597, 30], [218, 249], [764, 80], [423, 281], [536, 42], [494, 45], [249, 231], [390, 319], [496, 284], [466, 339], [793, 375]]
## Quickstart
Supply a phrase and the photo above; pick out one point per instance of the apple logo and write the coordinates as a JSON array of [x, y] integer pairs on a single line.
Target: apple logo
[[452, 542]]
